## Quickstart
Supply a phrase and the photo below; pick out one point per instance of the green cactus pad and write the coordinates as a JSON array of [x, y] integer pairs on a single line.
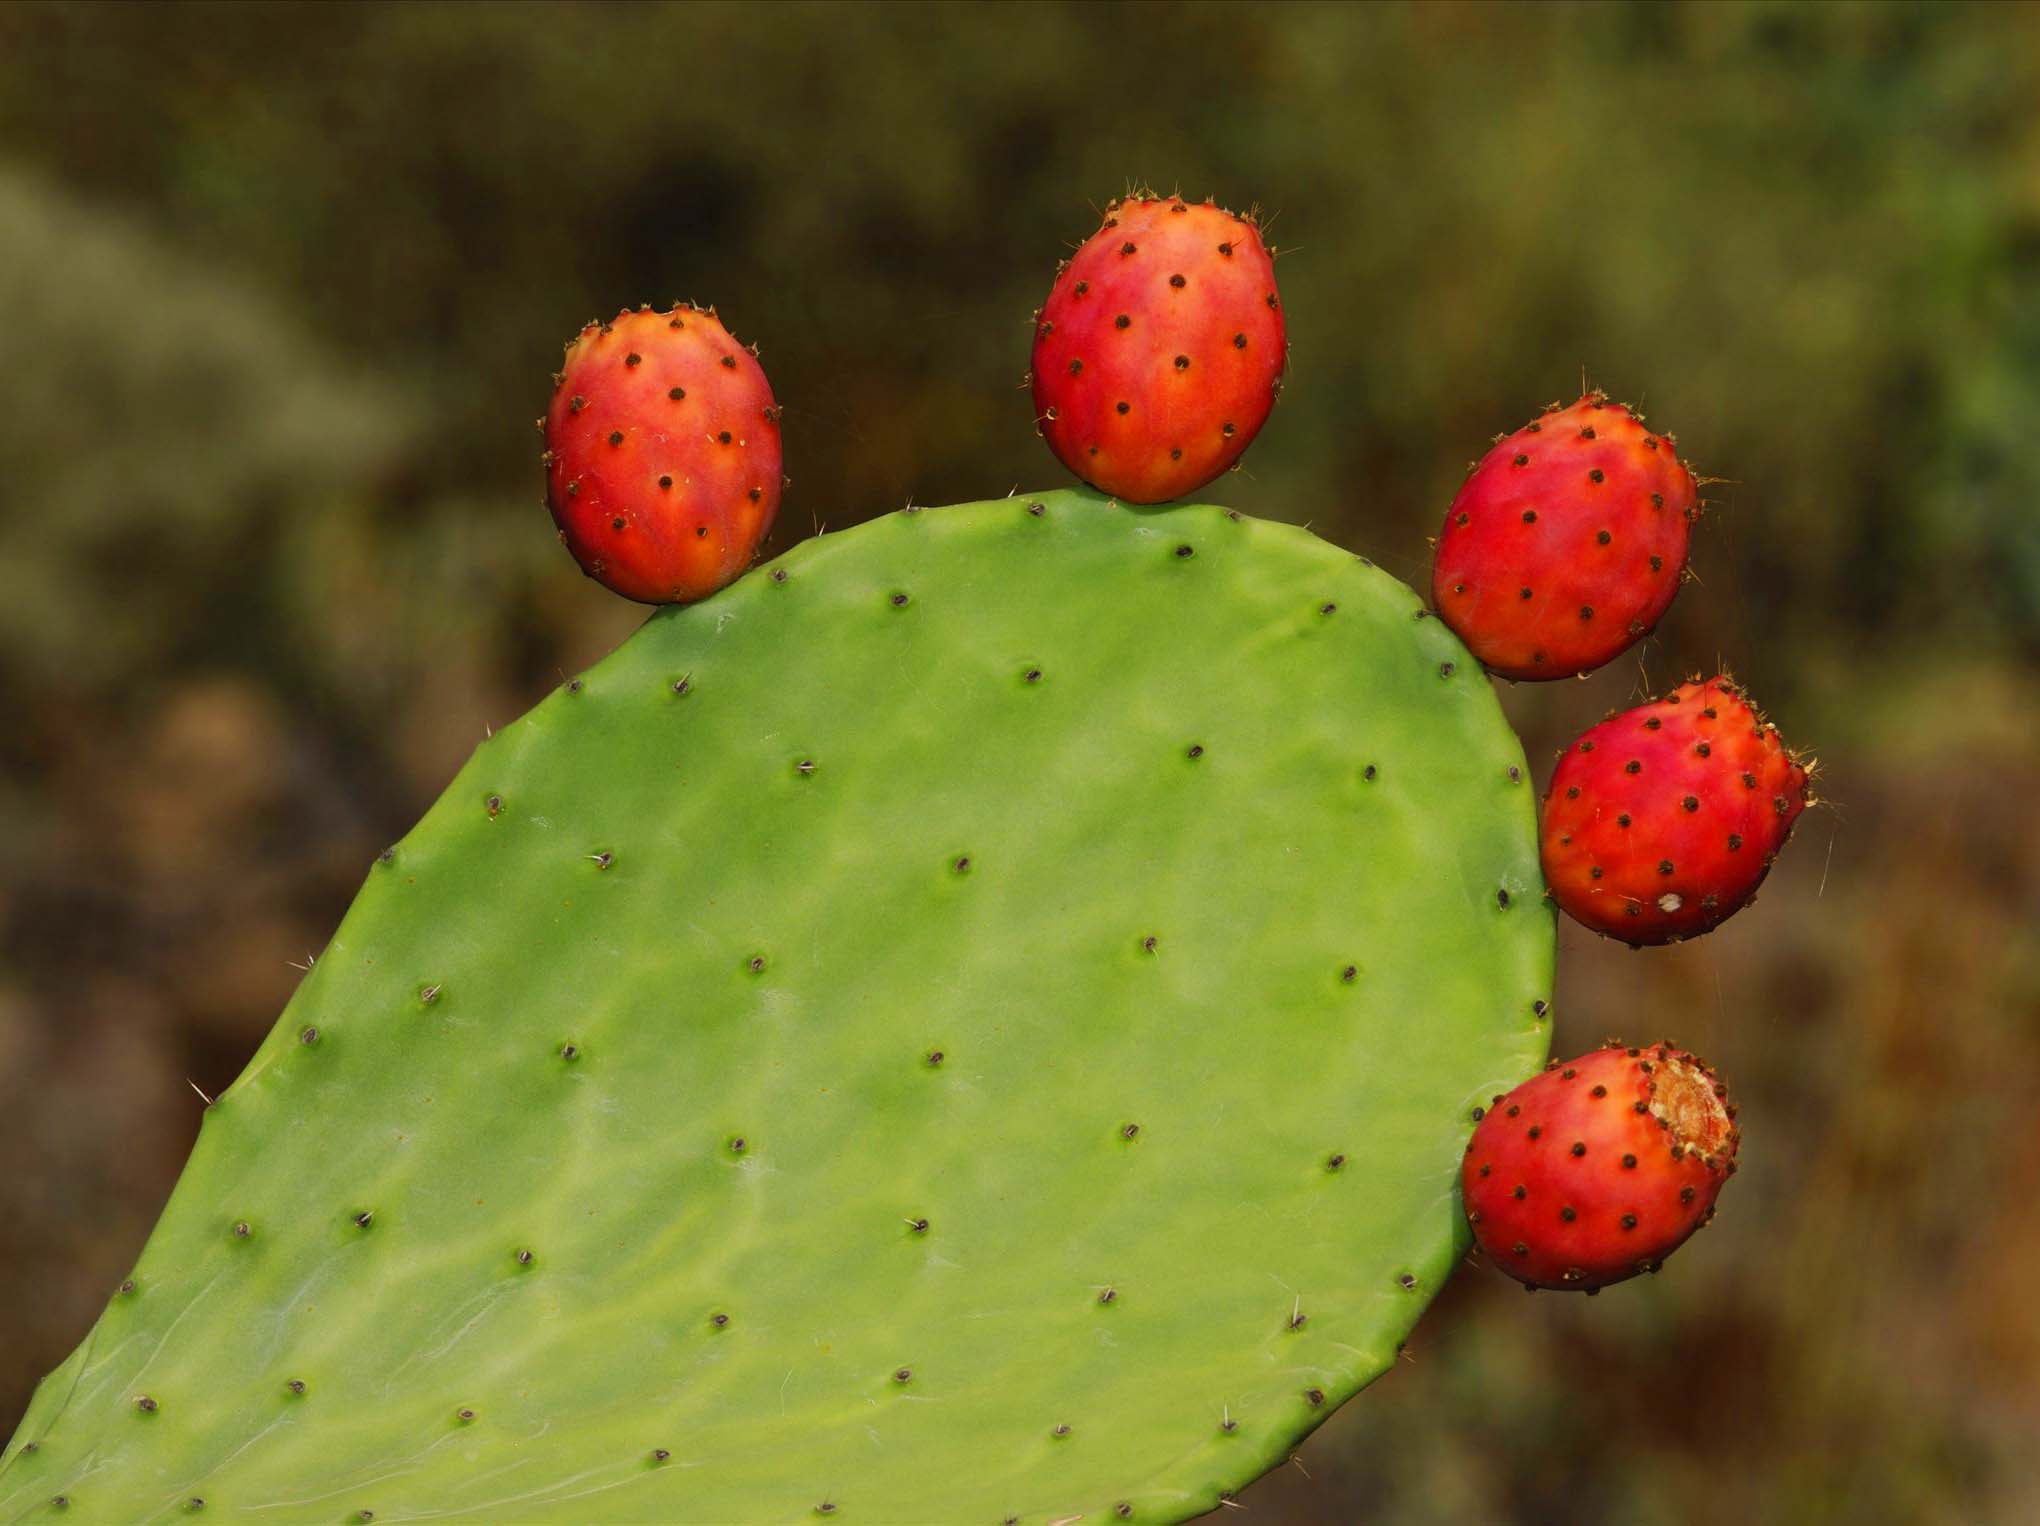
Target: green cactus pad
[[978, 1021]]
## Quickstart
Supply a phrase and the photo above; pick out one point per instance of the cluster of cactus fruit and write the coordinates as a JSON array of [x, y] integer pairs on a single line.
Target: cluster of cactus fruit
[[966, 1022]]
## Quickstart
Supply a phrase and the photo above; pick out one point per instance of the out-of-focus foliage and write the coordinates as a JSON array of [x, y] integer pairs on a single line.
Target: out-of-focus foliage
[[282, 286]]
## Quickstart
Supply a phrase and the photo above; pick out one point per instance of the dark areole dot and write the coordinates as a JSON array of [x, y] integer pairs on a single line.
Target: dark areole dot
[[1186, 551], [616, 437], [1122, 321]]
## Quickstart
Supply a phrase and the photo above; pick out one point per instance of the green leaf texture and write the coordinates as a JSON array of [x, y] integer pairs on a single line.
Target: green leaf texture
[[976, 1022]]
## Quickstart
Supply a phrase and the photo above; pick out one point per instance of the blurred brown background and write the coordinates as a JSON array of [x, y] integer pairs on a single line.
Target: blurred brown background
[[280, 289]]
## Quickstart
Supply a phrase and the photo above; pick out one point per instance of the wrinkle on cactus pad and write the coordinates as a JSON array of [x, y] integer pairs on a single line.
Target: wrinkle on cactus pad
[[977, 1020]]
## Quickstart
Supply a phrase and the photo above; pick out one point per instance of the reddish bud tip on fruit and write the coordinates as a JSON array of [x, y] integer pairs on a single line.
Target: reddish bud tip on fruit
[[684, 479]]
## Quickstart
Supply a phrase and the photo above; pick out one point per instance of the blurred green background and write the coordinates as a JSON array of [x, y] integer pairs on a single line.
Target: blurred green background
[[280, 289]]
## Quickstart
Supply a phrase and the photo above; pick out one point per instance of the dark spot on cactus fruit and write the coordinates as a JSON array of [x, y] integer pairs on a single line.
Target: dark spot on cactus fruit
[[1044, 330], [1586, 611], [1657, 500], [1652, 724], [1335, 1162], [1076, 366], [1686, 1194], [1691, 802], [1126, 249], [1446, 669], [1604, 537], [1124, 407], [1579, 1147], [1596, 475], [1749, 781], [1122, 1510], [1108, 1296], [1639, 1107], [573, 686], [719, 1321], [296, 1386], [826, 1507], [899, 600], [722, 437], [1177, 282], [729, 362], [145, 1404], [665, 482], [575, 405], [615, 437], [1270, 300], [1520, 1192], [1037, 509], [1567, 1074], [195, 1503], [386, 856], [1314, 1396], [1568, 1213], [1587, 433], [365, 1218], [1083, 287], [1239, 341], [1529, 516], [1298, 1319], [1227, 430], [1408, 1280], [1122, 321], [1060, 1431], [1540, 1006], [1536, 1131], [60, 1502], [1129, 1131], [660, 1454], [1594, 873], [804, 767], [917, 1226], [464, 1416], [574, 489], [1502, 898], [1186, 550], [1703, 749], [1369, 772], [1182, 362], [677, 394], [1633, 766]]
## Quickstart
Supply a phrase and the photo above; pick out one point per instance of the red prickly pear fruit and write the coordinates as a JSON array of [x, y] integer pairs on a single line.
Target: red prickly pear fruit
[[1662, 821], [662, 454], [1566, 543], [1600, 1167], [1160, 349]]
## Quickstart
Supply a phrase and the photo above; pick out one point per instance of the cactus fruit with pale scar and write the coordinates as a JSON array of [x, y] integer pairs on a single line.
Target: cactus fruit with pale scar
[[662, 453], [1599, 1168], [964, 1024], [1566, 543], [1662, 821], [1160, 349]]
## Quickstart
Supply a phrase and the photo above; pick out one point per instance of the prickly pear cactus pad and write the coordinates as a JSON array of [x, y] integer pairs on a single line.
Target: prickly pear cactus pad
[[977, 1021]]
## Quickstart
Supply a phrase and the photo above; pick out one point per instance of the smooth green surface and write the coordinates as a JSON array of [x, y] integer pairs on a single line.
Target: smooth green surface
[[652, 993]]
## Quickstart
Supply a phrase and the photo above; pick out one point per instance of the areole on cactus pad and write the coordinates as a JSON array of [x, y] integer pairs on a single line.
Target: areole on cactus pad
[[978, 1020]]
